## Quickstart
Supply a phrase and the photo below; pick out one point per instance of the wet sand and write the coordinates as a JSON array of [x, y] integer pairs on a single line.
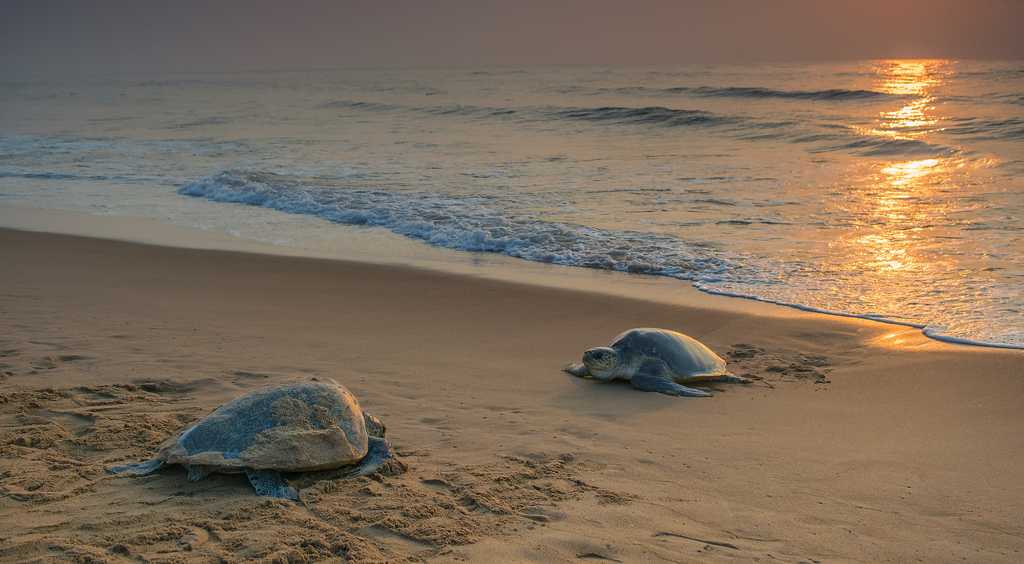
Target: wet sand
[[857, 442]]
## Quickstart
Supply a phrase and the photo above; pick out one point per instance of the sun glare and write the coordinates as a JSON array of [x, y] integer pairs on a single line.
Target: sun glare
[[896, 212]]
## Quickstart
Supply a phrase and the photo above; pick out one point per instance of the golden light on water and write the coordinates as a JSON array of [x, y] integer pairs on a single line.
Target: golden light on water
[[897, 213], [911, 118], [905, 173], [911, 229], [914, 79]]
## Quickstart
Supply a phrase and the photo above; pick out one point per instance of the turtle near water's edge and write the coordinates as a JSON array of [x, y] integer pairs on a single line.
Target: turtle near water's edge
[[656, 360]]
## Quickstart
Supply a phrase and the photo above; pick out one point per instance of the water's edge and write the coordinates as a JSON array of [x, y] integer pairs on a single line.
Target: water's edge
[[148, 231], [699, 269]]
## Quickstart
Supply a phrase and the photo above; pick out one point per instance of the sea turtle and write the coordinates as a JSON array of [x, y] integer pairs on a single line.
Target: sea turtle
[[292, 428], [655, 360]]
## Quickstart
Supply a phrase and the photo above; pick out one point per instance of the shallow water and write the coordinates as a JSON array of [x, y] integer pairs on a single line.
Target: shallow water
[[883, 189]]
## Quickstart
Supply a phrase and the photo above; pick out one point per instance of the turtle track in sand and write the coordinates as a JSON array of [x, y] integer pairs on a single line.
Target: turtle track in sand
[[56, 443], [769, 367]]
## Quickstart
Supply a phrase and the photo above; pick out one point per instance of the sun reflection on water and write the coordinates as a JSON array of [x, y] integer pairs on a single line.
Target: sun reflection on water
[[897, 213], [914, 80], [905, 173]]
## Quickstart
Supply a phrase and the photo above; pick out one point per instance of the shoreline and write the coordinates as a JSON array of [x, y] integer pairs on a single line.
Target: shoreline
[[856, 442], [416, 254]]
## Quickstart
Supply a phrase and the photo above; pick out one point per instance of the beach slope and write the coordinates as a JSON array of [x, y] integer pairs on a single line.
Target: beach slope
[[857, 442]]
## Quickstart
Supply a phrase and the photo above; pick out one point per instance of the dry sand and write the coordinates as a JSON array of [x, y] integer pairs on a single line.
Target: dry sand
[[858, 442]]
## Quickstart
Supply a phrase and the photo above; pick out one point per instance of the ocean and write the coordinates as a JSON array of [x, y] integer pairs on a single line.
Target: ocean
[[891, 190]]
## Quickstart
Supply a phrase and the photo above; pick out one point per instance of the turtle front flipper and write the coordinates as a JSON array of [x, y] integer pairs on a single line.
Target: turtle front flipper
[[141, 469], [654, 376], [271, 483], [378, 455]]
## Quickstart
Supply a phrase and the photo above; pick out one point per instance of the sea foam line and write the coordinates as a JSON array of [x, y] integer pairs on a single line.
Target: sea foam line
[[928, 330]]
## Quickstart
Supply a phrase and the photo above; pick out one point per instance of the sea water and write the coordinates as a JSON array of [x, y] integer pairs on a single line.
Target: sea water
[[891, 190]]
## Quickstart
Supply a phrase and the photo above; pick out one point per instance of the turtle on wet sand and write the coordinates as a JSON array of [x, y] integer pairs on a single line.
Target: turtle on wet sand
[[291, 428], [656, 360]]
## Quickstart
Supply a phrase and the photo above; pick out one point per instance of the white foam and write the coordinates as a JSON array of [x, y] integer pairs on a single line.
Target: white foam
[[470, 223]]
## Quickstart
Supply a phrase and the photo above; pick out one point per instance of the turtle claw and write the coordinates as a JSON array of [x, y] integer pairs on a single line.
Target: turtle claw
[[576, 369], [140, 469], [734, 379]]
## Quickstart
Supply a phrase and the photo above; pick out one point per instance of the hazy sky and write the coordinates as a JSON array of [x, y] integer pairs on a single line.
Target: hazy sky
[[44, 36]]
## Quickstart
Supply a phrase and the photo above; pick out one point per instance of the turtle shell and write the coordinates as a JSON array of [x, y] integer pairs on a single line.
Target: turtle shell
[[291, 428], [685, 355]]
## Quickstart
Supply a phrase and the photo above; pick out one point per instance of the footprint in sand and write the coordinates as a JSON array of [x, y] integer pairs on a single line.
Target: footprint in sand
[[45, 363], [722, 544], [596, 556], [193, 539], [52, 362], [247, 375]]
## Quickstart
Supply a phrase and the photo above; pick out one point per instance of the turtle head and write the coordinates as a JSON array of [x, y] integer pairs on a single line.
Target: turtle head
[[602, 362], [374, 426]]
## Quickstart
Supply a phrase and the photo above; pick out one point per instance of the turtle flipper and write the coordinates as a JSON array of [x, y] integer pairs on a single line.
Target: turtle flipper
[[271, 483], [723, 378], [654, 376], [197, 472], [140, 469], [377, 455]]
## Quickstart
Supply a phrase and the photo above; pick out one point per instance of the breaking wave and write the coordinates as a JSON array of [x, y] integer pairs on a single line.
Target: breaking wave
[[468, 223]]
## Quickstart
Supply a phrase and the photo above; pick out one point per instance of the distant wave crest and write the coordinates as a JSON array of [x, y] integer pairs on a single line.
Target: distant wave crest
[[832, 94], [755, 92], [1010, 129], [874, 146], [738, 126], [651, 115]]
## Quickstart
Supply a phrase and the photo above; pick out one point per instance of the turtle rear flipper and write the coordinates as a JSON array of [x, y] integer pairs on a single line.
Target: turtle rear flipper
[[728, 378], [197, 472], [270, 483], [141, 469]]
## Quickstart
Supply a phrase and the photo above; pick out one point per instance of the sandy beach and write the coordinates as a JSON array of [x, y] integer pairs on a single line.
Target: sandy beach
[[239, 239], [858, 441]]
